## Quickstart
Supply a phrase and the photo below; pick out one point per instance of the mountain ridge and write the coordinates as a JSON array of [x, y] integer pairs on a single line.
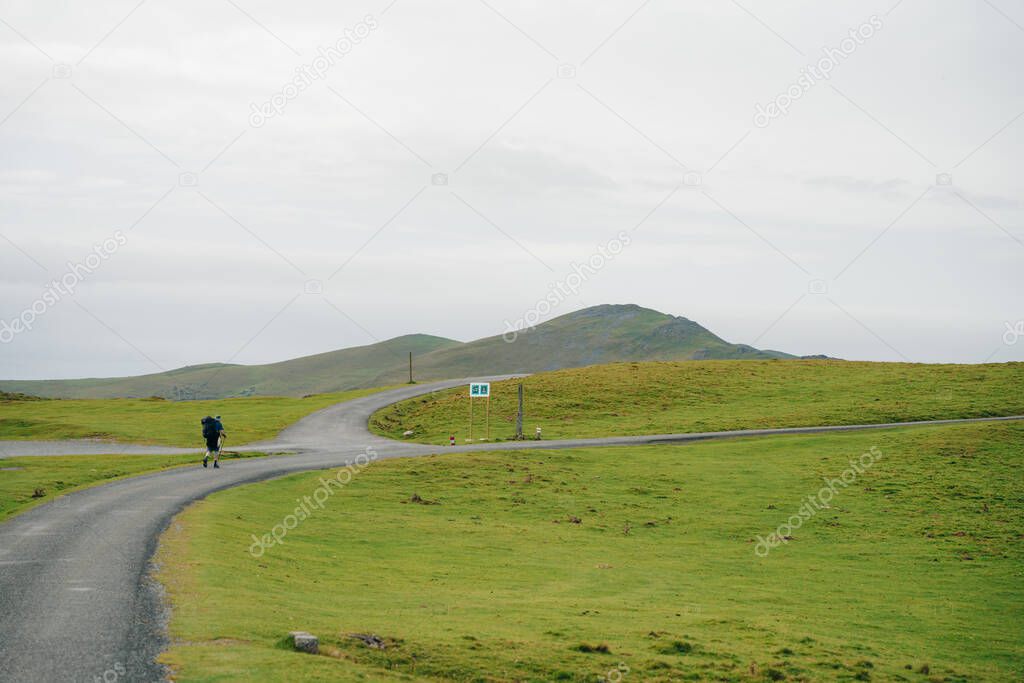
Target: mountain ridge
[[599, 334]]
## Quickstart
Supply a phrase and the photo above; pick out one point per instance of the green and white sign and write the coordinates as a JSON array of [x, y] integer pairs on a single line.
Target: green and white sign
[[479, 389]]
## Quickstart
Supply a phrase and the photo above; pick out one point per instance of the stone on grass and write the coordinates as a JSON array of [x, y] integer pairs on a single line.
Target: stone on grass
[[304, 642]]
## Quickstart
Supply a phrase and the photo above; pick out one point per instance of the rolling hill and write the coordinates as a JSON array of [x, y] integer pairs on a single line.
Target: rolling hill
[[600, 334], [356, 367]]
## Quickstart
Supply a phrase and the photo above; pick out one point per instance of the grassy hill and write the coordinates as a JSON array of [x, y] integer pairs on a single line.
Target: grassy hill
[[356, 367], [669, 397], [600, 334]]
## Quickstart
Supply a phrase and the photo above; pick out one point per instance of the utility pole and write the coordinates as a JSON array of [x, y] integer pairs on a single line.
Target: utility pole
[[410, 368], [519, 416]]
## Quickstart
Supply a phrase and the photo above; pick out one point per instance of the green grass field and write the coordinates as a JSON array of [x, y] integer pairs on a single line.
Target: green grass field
[[159, 422], [567, 565], [27, 482], [697, 396]]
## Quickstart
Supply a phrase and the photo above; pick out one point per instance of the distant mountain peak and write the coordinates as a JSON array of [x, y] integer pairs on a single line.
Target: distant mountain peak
[[605, 310]]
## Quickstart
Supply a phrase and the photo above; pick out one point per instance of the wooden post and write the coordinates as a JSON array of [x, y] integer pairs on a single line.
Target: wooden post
[[470, 417], [519, 415], [410, 367], [487, 419]]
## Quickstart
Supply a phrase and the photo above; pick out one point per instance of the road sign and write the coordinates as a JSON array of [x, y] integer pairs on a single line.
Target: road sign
[[480, 390]]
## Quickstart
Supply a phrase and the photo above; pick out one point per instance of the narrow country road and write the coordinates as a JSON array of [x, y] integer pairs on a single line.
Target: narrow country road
[[76, 600]]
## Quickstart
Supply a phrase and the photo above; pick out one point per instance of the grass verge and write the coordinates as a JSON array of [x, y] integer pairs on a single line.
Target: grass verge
[[27, 482], [157, 421], [696, 396], [569, 565]]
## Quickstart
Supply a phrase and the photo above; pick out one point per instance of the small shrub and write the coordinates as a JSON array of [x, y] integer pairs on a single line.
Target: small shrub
[[591, 649], [677, 647]]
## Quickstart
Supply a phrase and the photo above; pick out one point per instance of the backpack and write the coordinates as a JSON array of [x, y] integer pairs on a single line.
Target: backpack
[[209, 428]]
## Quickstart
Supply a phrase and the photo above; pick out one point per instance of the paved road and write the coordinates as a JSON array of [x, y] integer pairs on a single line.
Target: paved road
[[75, 598]]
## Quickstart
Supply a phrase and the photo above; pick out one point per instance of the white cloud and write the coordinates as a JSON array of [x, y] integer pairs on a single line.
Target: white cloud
[[538, 171]]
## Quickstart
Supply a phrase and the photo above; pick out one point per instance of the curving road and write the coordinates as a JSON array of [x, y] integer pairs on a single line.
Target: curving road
[[76, 600]]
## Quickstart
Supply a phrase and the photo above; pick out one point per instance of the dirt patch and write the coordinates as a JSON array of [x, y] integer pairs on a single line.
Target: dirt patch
[[219, 642], [374, 642], [416, 498]]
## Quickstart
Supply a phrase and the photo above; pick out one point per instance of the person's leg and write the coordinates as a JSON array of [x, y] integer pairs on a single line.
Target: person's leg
[[206, 457], [216, 458]]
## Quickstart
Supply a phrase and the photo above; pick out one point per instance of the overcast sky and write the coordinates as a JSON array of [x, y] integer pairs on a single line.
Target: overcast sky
[[879, 217]]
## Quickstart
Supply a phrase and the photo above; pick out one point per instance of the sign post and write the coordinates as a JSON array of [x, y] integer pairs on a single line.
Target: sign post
[[519, 415], [480, 390]]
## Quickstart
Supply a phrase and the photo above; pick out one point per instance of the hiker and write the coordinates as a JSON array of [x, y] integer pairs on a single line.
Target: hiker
[[212, 432]]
